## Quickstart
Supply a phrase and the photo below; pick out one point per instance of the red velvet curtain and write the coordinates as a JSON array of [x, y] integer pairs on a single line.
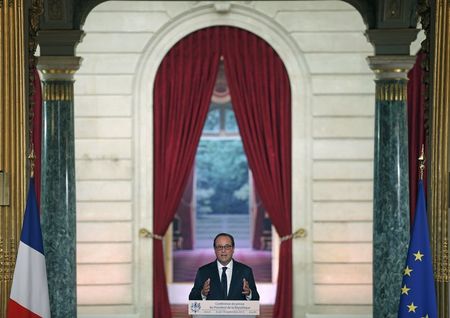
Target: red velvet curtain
[[416, 128], [260, 92], [185, 214], [258, 214], [182, 94], [261, 97], [36, 132]]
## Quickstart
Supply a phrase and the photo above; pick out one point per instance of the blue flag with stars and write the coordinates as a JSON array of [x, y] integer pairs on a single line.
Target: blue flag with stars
[[418, 296]]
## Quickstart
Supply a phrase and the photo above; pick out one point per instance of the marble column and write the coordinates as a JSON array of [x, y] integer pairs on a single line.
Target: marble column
[[391, 182], [58, 182]]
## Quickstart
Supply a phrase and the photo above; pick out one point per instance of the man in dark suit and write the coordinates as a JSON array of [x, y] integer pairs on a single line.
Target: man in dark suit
[[225, 278]]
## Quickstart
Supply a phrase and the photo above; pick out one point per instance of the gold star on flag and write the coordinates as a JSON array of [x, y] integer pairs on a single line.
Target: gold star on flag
[[418, 256], [426, 316], [411, 307], [405, 290], [407, 271]]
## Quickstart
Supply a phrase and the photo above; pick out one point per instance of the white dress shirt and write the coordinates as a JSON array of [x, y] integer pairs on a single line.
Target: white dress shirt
[[228, 272]]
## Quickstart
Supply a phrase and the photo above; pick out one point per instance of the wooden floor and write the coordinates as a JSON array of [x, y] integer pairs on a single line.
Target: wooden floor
[[181, 311]]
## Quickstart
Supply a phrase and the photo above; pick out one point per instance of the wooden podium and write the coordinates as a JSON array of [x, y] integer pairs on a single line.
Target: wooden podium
[[223, 308]]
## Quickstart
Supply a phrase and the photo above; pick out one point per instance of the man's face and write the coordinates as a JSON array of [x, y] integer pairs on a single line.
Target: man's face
[[224, 250]]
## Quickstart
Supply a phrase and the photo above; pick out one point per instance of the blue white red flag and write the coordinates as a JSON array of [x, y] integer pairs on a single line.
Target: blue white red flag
[[418, 296], [29, 292]]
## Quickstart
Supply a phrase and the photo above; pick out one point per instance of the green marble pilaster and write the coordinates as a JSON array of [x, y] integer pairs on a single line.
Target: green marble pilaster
[[391, 183], [58, 183]]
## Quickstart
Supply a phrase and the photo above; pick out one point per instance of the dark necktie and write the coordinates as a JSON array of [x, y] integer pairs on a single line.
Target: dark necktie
[[223, 281]]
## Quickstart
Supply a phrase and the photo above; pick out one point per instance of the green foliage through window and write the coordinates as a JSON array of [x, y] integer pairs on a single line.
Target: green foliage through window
[[222, 177]]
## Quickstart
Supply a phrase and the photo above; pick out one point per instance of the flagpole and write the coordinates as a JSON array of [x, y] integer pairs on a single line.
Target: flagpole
[[418, 292], [421, 162], [32, 158], [29, 295]]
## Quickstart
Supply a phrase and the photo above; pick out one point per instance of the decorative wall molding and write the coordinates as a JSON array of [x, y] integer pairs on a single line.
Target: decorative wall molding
[[8, 251], [55, 10], [424, 11], [392, 10]]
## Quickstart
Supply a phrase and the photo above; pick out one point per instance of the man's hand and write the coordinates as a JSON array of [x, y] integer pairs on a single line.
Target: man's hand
[[245, 289], [205, 289]]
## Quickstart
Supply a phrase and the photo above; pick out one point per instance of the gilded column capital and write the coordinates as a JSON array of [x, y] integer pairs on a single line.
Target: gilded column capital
[[391, 67], [58, 68]]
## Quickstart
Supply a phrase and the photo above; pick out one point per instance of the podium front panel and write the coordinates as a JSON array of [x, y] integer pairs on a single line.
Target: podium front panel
[[223, 308]]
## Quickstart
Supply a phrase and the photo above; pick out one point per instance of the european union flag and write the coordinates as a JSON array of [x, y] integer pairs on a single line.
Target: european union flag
[[418, 296]]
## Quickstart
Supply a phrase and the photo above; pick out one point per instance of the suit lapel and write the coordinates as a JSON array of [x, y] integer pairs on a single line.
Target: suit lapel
[[215, 278]]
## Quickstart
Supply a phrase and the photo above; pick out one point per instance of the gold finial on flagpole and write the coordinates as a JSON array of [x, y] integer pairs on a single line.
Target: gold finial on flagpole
[[32, 157], [421, 163]]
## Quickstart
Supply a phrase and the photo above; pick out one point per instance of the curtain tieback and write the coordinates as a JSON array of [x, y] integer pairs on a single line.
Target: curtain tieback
[[300, 233], [147, 234]]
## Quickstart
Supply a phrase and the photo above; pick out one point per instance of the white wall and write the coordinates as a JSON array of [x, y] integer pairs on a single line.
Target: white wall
[[333, 106]]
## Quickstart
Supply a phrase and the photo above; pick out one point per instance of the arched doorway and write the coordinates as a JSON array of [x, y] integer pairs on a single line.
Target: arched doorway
[[261, 95], [283, 43]]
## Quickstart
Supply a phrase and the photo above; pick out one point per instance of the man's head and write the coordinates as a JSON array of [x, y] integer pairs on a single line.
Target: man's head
[[224, 247]]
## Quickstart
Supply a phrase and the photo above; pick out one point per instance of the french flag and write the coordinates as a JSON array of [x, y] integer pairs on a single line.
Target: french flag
[[29, 292]]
